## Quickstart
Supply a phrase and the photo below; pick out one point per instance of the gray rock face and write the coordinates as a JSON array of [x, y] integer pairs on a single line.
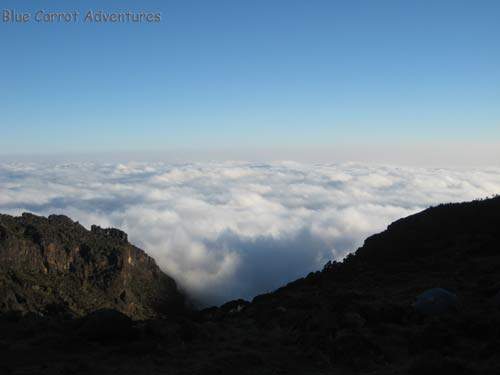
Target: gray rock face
[[55, 265]]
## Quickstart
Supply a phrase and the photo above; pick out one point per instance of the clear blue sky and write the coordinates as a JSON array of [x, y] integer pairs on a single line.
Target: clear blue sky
[[234, 73]]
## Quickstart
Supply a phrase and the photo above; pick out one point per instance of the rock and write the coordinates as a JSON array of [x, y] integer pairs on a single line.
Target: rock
[[110, 232], [331, 266], [436, 301], [55, 266], [233, 307]]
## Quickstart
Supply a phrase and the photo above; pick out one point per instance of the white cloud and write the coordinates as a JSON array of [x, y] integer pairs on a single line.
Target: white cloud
[[234, 229]]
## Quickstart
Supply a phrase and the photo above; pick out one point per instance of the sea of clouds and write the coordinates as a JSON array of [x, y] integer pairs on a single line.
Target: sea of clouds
[[232, 229]]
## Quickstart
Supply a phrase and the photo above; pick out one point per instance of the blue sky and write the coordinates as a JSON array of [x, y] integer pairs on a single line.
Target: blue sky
[[255, 74]]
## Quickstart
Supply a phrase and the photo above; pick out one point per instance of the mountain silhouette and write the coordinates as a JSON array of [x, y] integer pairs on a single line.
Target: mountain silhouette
[[422, 297]]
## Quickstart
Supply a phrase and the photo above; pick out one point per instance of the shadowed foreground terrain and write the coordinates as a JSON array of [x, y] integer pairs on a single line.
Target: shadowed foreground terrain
[[353, 317]]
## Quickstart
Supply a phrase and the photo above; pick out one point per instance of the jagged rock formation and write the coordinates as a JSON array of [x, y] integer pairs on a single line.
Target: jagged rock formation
[[54, 265], [353, 317]]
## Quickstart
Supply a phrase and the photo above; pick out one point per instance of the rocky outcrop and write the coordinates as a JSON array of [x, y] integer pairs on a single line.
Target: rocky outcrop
[[55, 266], [373, 313]]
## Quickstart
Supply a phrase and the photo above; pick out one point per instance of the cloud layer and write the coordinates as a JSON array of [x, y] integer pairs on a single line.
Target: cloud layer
[[234, 229]]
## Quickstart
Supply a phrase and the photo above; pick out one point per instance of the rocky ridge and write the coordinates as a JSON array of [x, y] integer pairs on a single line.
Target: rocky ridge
[[55, 266]]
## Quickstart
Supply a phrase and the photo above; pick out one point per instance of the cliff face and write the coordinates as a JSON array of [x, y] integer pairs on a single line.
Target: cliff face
[[54, 265]]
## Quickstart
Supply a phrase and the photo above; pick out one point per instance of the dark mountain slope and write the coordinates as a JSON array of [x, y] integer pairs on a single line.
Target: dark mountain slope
[[360, 314], [54, 265], [450, 228], [354, 317], [454, 245]]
